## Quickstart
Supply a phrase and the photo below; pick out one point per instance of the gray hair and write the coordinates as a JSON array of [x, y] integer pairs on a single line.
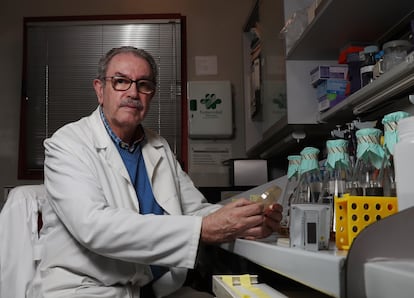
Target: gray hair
[[104, 61]]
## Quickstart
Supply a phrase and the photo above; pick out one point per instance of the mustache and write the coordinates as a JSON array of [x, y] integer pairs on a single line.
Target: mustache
[[132, 102]]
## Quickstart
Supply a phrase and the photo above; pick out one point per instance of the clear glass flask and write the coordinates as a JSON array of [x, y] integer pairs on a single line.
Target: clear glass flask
[[310, 178], [365, 178], [336, 177], [387, 174], [338, 171], [291, 185]]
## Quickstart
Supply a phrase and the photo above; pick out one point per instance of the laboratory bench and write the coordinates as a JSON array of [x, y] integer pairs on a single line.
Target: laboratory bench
[[379, 261], [220, 261]]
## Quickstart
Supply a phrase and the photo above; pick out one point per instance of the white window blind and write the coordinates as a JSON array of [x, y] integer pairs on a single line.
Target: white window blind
[[61, 59]]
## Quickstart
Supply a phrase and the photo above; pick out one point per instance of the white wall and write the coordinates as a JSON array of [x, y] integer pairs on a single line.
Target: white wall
[[213, 28]]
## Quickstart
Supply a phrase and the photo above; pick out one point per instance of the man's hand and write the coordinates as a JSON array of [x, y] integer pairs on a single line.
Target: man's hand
[[271, 223], [241, 219]]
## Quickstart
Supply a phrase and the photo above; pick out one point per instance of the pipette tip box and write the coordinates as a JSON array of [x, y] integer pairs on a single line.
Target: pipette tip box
[[242, 286]]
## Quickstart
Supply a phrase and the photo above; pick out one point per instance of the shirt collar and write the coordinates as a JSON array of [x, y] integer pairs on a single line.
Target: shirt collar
[[121, 144]]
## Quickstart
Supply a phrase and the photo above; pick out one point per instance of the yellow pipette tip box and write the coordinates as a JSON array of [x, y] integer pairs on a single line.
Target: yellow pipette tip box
[[242, 286]]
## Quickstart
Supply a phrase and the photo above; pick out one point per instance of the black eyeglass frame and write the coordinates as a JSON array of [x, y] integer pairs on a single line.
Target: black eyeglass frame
[[137, 82]]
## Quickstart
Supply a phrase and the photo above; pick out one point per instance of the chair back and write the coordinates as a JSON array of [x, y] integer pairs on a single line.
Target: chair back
[[20, 223]]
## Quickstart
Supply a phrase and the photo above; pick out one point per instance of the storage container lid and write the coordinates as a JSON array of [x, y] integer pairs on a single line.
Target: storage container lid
[[397, 43], [371, 49]]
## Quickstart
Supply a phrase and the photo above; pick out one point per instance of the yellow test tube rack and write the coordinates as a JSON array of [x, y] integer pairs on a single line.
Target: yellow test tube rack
[[354, 213]]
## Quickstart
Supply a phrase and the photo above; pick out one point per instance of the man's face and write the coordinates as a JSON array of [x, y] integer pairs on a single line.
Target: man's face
[[124, 110]]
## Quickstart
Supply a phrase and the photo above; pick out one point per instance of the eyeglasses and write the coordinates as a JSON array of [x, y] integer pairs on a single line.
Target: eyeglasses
[[124, 83]]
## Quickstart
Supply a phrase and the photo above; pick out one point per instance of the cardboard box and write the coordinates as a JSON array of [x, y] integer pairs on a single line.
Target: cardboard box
[[324, 72], [329, 101], [330, 92], [331, 86]]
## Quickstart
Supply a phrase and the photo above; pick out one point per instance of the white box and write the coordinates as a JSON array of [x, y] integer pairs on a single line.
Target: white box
[[323, 72], [249, 172]]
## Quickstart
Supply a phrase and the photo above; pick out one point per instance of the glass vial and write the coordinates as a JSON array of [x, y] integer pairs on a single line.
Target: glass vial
[[270, 196], [390, 122], [370, 153]]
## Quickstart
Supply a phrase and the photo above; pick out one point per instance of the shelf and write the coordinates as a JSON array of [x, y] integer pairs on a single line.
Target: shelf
[[282, 139], [323, 270], [396, 81], [341, 22]]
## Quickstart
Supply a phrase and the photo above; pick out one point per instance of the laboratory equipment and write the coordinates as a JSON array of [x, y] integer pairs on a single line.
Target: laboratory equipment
[[309, 221]]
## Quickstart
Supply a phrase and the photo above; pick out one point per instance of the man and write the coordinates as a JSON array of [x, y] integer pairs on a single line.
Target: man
[[121, 213]]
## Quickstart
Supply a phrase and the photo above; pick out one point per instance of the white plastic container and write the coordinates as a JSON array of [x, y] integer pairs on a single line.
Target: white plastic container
[[404, 163], [395, 52]]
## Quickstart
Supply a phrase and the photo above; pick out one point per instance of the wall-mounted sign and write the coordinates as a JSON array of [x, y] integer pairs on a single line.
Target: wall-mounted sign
[[210, 109]]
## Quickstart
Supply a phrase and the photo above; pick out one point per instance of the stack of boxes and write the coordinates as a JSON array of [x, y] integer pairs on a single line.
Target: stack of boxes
[[331, 83]]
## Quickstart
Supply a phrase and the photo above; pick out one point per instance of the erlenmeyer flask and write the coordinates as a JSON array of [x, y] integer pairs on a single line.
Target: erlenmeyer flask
[[291, 185], [338, 171], [310, 180], [387, 174], [337, 175], [365, 177]]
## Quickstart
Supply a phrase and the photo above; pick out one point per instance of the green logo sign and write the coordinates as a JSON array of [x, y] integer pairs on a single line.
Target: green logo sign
[[210, 101]]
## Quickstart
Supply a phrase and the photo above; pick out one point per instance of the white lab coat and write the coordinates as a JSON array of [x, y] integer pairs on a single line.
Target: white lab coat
[[96, 244]]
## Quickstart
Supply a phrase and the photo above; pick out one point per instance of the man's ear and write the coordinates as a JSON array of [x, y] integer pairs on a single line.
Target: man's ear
[[98, 86]]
